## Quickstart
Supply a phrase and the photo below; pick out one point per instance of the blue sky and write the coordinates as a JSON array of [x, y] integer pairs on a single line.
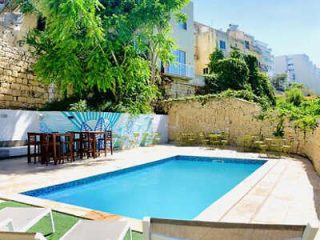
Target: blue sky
[[288, 26]]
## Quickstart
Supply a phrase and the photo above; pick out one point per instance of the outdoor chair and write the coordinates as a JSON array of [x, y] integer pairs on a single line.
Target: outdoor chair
[[23, 218], [46, 148], [86, 145], [83, 230], [102, 144], [6, 224], [98, 230], [66, 148], [34, 146]]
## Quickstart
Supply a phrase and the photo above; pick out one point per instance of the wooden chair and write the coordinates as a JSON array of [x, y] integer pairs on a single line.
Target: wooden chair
[[76, 144], [46, 148], [34, 142], [109, 141], [65, 147], [86, 144]]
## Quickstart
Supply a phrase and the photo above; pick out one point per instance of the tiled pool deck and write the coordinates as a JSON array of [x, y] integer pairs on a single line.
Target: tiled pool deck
[[283, 191]]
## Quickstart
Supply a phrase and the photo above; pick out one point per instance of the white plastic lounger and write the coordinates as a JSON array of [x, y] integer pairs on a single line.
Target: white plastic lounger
[[98, 230], [24, 218], [6, 225], [163, 237]]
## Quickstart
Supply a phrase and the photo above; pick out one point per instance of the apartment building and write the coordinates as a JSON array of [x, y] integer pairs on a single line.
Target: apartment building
[[241, 40], [205, 44], [208, 39], [299, 69], [181, 72], [265, 57], [247, 44]]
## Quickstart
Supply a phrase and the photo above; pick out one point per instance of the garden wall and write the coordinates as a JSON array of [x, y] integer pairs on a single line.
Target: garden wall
[[18, 87], [238, 118], [15, 125]]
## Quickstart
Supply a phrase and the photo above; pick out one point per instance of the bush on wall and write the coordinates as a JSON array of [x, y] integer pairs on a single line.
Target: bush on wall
[[238, 72]]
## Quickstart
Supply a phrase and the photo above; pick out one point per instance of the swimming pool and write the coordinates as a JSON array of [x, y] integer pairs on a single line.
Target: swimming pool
[[179, 187]]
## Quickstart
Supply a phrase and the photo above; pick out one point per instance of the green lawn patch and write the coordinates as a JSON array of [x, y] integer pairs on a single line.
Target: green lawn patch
[[63, 222]]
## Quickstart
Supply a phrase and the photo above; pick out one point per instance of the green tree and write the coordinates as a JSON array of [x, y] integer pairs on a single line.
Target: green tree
[[239, 72], [215, 57], [235, 53], [108, 47], [232, 74], [259, 81]]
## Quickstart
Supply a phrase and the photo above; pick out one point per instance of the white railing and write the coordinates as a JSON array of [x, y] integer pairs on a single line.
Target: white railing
[[180, 70]]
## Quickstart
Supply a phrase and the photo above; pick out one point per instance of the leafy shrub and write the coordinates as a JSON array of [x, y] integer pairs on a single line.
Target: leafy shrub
[[215, 57], [211, 83], [243, 94], [239, 72], [231, 73], [80, 106], [294, 96]]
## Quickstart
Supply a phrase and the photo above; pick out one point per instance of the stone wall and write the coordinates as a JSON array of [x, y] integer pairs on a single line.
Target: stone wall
[[311, 148], [18, 86], [238, 118], [179, 88]]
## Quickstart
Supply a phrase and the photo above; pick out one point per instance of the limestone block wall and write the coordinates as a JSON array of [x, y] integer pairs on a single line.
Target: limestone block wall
[[178, 88], [238, 118], [231, 115], [311, 148], [18, 87]]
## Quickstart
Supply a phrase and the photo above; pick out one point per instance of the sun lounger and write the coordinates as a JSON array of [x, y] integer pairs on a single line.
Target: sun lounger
[[6, 225], [24, 218], [98, 230], [15, 221]]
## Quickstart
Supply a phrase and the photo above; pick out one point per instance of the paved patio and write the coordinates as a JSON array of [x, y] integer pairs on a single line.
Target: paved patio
[[285, 191]]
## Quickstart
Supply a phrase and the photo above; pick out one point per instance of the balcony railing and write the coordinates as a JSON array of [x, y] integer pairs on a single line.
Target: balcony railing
[[179, 70]]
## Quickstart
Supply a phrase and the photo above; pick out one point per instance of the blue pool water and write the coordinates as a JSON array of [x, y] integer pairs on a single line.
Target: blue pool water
[[180, 187]]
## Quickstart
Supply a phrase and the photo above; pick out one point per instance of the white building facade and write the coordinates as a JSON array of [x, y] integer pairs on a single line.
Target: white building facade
[[299, 69], [182, 33]]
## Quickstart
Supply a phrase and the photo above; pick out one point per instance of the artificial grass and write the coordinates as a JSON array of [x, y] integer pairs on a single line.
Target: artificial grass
[[63, 222]]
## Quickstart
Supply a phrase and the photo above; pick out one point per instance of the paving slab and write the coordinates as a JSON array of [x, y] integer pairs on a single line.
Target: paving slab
[[285, 191]]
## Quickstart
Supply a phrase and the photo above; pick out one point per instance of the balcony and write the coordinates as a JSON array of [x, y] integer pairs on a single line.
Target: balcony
[[179, 70]]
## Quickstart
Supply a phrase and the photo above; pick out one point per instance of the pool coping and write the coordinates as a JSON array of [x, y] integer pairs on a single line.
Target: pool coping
[[217, 210], [221, 206]]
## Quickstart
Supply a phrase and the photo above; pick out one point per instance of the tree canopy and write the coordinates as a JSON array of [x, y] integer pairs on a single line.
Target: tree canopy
[[238, 72], [104, 49]]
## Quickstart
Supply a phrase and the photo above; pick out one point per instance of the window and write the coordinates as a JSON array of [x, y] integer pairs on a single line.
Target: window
[[247, 44], [178, 67], [206, 71], [183, 25], [222, 44], [180, 56]]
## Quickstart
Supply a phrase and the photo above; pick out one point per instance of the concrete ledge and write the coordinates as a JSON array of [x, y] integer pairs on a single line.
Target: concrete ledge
[[220, 208], [11, 152], [15, 143]]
